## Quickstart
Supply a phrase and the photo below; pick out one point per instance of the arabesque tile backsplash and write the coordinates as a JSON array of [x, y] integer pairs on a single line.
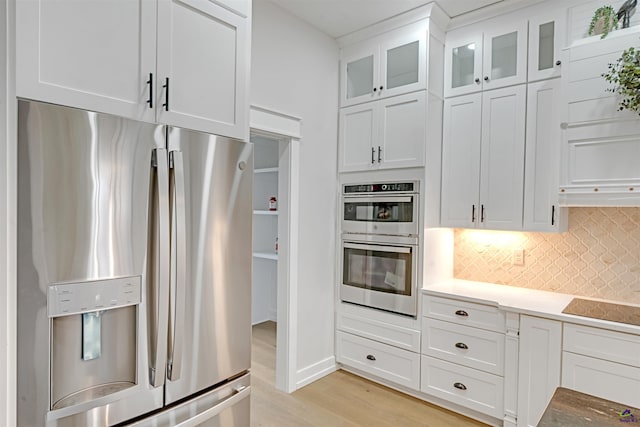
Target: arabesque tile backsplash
[[599, 256]]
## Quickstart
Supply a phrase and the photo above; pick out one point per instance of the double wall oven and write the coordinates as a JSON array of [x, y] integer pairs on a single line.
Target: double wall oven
[[380, 229]]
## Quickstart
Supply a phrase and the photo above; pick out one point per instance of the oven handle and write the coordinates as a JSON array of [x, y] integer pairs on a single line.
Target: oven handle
[[396, 249], [393, 199]]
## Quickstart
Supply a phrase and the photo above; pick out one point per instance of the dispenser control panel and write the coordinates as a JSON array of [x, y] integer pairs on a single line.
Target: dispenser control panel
[[80, 297]]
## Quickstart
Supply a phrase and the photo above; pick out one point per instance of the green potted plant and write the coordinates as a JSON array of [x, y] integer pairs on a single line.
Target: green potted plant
[[604, 20], [624, 74]]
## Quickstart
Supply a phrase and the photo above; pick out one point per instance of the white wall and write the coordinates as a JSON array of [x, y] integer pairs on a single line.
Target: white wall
[[294, 70]]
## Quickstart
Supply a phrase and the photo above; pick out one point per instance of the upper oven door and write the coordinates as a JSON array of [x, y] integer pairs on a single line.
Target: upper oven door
[[388, 215]]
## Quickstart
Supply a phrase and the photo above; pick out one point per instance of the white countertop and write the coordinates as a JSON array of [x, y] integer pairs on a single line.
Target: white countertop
[[524, 301]]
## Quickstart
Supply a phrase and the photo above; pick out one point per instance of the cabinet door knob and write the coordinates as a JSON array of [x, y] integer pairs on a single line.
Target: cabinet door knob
[[462, 313], [375, 89], [371, 357], [460, 386], [486, 78], [477, 80], [462, 345], [381, 87], [558, 62]]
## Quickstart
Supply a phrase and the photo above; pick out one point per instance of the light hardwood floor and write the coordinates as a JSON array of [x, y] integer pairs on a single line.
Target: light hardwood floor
[[339, 399]]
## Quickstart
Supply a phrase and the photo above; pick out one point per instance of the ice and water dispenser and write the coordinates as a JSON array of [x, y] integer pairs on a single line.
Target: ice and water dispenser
[[93, 344]]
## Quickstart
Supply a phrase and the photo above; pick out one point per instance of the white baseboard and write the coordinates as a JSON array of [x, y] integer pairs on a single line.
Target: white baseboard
[[315, 372]]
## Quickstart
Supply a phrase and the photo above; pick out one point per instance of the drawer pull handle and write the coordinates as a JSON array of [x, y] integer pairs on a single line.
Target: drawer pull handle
[[462, 313], [462, 345], [371, 357], [460, 386]]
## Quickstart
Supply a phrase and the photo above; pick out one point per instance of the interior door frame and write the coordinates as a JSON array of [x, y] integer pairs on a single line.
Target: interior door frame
[[286, 129]]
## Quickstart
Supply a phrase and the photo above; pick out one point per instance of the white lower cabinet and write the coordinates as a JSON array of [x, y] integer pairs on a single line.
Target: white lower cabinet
[[390, 363], [538, 366], [602, 363], [468, 387], [463, 351]]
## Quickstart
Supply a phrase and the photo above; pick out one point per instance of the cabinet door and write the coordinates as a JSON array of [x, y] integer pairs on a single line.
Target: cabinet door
[[463, 64], [402, 130], [542, 159], [461, 161], [203, 62], [502, 158], [504, 60], [95, 55], [359, 69], [546, 39], [356, 133], [538, 367], [403, 60]]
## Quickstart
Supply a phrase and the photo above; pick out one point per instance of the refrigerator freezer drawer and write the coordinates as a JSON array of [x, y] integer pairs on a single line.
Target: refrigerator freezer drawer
[[226, 406]]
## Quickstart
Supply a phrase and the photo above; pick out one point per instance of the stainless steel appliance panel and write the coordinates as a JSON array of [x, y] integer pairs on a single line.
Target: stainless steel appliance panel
[[226, 406], [83, 195], [211, 194], [380, 273]]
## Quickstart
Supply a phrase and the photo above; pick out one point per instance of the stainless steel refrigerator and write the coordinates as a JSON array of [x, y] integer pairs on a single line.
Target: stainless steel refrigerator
[[134, 272]]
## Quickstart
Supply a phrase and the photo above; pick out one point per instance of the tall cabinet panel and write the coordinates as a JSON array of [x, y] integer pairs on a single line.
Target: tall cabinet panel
[[68, 53], [502, 158], [403, 128], [542, 164], [461, 160], [357, 125], [201, 87]]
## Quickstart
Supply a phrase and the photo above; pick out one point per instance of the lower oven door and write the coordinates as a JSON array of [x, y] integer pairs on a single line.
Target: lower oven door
[[380, 275]]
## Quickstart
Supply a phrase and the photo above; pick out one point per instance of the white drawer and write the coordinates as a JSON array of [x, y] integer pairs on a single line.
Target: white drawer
[[464, 313], [397, 336], [468, 387], [396, 365], [608, 380], [472, 347], [603, 344]]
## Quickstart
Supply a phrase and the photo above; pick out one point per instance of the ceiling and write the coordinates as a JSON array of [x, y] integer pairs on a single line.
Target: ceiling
[[339, 17]]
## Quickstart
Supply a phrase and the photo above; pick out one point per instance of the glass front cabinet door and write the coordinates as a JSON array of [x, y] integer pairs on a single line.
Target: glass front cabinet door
[[546, 37], [463, 64], [388, 65], [505, 56]]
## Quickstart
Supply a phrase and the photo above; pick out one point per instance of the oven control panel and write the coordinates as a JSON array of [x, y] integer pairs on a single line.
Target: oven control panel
[[384, 187]]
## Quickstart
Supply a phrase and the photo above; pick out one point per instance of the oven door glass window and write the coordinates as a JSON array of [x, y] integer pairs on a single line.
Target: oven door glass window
[[380, 269], [384, 210]]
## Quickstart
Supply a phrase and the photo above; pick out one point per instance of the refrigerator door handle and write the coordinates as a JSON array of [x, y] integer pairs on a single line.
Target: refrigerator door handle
[[178, 263], [161, 282], [238, 395]]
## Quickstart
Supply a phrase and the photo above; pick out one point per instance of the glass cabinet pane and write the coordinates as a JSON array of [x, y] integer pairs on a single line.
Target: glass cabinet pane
[[504, 55], [462, 65], [402, 65], [545, 45], [360, 77]]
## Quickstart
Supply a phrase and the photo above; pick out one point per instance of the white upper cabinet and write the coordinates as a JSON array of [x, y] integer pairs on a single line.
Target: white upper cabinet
[[388, 65], [116, 57], [547, 35], [387, 134], [483, 142], [542, 164], [461, 161], [201, 47], [476, 60], [96, 55]]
